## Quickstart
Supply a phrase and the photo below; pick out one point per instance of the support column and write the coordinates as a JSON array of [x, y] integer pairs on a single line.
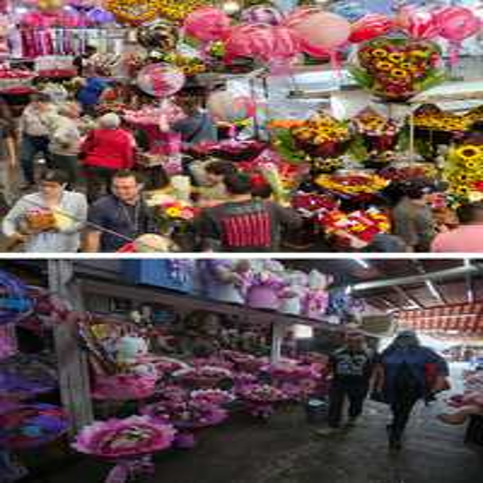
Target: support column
[[278, 331], [71, 359]]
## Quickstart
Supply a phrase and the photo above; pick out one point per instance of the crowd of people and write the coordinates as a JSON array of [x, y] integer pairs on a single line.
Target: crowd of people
[[403, 374], [91, 181]]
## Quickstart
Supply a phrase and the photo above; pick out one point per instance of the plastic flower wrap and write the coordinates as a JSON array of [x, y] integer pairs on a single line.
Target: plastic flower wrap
[[463, 172], [352, 185], [261, 393], [203, 377], [129, 437], [24, 376], [364, 225], [398, 68], [310, 204], [322, 136], [244, 362], [31, 426]]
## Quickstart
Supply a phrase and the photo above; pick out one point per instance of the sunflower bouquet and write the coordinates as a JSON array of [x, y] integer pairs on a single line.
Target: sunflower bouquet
[[352, 185], [190, 66], [322, 136], [431, 117], [397, 68], [463, 172]]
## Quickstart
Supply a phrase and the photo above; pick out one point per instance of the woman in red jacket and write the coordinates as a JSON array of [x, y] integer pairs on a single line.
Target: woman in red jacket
[[106, 150]]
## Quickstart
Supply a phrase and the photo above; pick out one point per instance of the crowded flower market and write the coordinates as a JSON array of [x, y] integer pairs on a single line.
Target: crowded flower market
[[225, 370], [240, 126]]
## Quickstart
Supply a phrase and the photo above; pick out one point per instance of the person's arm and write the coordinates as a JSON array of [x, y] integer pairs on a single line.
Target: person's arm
[[10, 223], [88, 143], [11, 151], [92, 234], [425, 229], [129, 151]]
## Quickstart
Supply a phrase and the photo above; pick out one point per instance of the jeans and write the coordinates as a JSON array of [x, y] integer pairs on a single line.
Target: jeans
[[98, 180], [29, 148], [67, 164], [355, 392], [401, 409]]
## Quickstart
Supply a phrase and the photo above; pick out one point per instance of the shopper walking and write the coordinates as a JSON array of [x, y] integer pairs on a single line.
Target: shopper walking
[[65, 141], [351, 367], [406, 373], [412, 217], [106, 150], [49, 220], [242, 224], [467, 237], [36, 124], [8, 160], [123, 214]]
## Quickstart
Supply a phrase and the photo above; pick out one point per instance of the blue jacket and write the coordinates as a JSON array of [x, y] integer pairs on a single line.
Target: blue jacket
[[419, 361], [89, 95]]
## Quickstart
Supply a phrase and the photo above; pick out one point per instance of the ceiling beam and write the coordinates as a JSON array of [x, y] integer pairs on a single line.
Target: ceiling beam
[[402, 293]]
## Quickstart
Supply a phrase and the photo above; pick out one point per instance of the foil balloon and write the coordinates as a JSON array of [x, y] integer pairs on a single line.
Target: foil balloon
[[207, 24], [351, 10], [225, 106], [100, 16], [419, 24], [262, 14], [249, 41], [370, 26], [160, 35], [160, 80]]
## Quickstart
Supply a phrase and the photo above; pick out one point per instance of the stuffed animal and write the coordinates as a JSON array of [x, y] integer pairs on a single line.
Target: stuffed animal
[[224, 279], [317, 296], [131, 355]]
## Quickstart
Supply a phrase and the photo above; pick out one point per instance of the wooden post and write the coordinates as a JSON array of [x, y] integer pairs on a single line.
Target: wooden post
[[71, 359]]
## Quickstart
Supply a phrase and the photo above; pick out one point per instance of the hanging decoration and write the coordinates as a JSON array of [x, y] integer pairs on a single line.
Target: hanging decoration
[[262, 14], [133, 12], [370, 26], [225, 106], [207, 24]]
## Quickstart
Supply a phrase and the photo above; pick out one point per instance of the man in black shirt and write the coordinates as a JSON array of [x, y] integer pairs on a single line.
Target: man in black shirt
[[352, 367], [123, 212], [242, 224]]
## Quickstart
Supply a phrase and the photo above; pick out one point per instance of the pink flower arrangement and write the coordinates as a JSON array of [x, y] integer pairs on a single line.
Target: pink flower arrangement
[[262, 393], [124, 387], [118, 438], [212, 397], [166, 366], [244, 362], [203, 376], [292, 372], [212, 361]]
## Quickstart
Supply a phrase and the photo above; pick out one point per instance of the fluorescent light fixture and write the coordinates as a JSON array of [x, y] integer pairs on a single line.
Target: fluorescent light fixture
[[303, 331], [348, 290], [431, 287]]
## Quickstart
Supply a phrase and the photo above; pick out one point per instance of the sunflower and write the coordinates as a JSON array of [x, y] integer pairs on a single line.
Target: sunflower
[[396, 57], [473, 165], [408, 66], [468, 152], [464, 191], [399, 73], [173, 212], [380, 53]]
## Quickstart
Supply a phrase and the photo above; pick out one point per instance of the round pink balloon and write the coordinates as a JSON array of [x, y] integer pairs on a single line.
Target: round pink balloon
[[370, 26], [225, 106], [285, 44], [322, 29], [207, 24], [160, 80], [254, 40], [457, 23]]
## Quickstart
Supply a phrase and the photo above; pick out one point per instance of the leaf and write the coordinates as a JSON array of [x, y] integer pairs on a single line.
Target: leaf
[[361, 76], [358, 149]]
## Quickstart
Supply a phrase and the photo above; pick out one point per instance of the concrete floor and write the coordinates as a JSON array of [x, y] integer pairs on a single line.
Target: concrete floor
[[286, 450]]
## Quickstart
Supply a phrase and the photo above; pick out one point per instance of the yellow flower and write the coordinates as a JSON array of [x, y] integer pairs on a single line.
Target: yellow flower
[[384, 66], [469, 152], [173, 212], [380, 53], [396, 57], [473, 165], [400, 73], [408, 66]]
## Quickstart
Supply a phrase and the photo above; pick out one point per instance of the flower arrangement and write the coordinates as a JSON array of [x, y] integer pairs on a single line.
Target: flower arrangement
[[190, 66], [362, 225], [261, 398], [322, 136], [124, 387], [463, 172], [327, 165], [309, 204], [129, 437], [203, 376], [15, 80], [431, 117], [30, 426], [352, 185], [408, 171], [212, 397], [398, 68]]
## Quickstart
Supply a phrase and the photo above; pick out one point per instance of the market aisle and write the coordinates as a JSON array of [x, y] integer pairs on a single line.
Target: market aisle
[[286, 450]]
